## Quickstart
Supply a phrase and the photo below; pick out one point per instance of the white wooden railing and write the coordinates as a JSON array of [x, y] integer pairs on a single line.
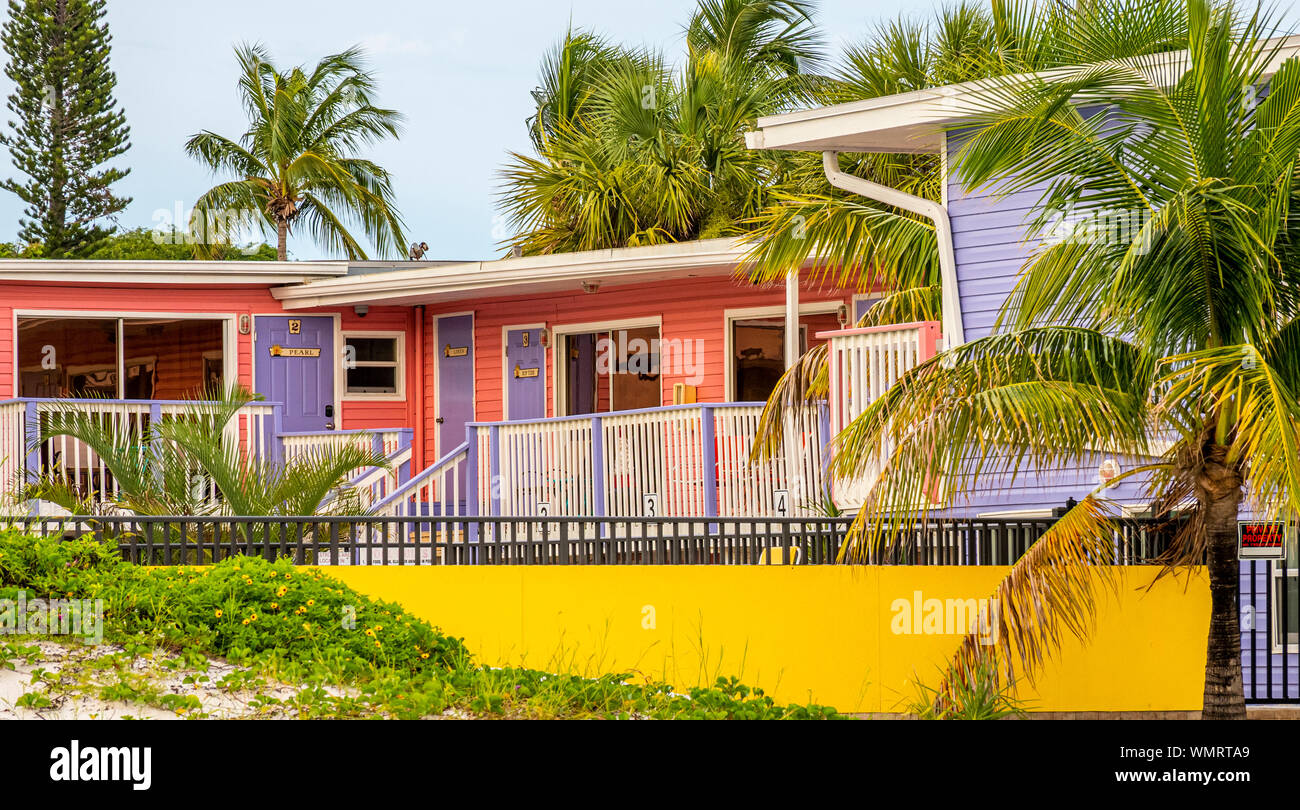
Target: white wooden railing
[[863, 364], [384, 441], [678, 461], [437, 491], [253, 429], [544, 467], [793, 483], [13, 443], [374, 484]]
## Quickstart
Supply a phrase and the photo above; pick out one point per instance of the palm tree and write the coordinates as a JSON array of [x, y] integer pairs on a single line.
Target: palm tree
[[297, 164], [175, 466], [860, 242], [1174, 341], [632, 152], [569, 75]]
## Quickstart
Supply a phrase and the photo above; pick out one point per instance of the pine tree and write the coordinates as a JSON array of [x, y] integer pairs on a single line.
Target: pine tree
[[69, 124]]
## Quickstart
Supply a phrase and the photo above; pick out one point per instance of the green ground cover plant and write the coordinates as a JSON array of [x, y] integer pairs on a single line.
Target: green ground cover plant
[[272, 625]]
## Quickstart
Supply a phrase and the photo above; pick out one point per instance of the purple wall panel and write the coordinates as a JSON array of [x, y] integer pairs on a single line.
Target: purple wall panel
[[989, 237]]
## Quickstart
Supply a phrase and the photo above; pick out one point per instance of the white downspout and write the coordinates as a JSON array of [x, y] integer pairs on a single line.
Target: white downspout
[[954, 334], [791, 319]]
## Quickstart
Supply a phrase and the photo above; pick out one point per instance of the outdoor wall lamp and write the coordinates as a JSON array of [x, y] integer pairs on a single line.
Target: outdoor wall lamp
[[842, 315], [361, 309], [245, 324]]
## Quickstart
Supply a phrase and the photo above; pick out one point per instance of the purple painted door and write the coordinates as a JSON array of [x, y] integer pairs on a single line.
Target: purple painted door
[[295, 362], [525, 374], [455, 379]]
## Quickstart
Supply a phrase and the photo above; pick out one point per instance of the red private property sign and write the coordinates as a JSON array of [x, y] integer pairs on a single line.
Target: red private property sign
[[1261, 539]]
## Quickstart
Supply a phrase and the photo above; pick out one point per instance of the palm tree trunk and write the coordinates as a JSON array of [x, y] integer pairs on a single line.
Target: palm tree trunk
[[282, 240], [1219, 493]]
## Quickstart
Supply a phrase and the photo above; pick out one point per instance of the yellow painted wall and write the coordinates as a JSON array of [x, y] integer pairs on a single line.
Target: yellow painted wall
[[820, 633]]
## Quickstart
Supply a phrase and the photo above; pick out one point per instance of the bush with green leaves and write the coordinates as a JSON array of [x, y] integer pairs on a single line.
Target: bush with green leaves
[[242, 608], [299, 624]]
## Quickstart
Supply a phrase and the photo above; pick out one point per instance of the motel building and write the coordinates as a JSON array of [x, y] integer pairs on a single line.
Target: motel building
[[598, 383], [620, 383]]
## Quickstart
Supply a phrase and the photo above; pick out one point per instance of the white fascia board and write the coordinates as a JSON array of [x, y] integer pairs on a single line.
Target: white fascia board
[[914, 122], [602, 266], [90, 271]]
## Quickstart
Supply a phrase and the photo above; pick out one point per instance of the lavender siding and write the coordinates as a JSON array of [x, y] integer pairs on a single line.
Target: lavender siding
[[989, 239], [991, 246]]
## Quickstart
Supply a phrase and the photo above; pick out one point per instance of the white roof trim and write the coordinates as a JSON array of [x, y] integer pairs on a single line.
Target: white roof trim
[[96, 271], [912, 122], [555, 271]]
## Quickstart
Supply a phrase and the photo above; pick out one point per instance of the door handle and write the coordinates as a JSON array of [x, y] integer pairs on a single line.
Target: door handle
[[440, 420]]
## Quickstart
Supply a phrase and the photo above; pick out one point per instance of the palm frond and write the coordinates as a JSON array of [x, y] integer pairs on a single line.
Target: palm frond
[[1049, 595]]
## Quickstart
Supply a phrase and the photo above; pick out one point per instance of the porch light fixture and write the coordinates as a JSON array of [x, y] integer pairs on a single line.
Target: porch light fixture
[[590, 286], [1108, 471], [544, 337], [245, 324], [361, 310], [842, 315]]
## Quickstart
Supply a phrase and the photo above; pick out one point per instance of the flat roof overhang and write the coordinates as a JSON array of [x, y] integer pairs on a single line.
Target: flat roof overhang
[[916, 122], [528, 275], [186, 273]]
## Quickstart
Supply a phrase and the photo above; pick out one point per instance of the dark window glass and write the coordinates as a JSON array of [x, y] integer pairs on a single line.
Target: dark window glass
[[172, 359], [374, 350], [759, 347], [374, 365], [79, 357], [67, 357], [373, 379]]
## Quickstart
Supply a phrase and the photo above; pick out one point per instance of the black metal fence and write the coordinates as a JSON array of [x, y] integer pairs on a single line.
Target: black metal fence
[[568, 541]]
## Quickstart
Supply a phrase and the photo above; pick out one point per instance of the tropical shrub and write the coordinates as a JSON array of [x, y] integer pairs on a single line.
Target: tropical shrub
[[315, 631], [242, 608]]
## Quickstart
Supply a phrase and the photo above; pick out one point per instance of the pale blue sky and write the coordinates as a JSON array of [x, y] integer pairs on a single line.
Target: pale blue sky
[[460, 71]]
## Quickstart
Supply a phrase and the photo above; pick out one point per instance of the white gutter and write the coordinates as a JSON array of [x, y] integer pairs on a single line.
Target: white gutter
[[954, 334], [129, 271], [481, 278]]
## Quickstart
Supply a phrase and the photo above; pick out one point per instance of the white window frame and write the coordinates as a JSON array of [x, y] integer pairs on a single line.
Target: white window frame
[[729, 316], [1275, 584], [871, 298], [560, 370], [399, 376]]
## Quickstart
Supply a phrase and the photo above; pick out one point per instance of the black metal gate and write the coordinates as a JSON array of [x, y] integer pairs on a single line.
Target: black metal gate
[[1270, 631]]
